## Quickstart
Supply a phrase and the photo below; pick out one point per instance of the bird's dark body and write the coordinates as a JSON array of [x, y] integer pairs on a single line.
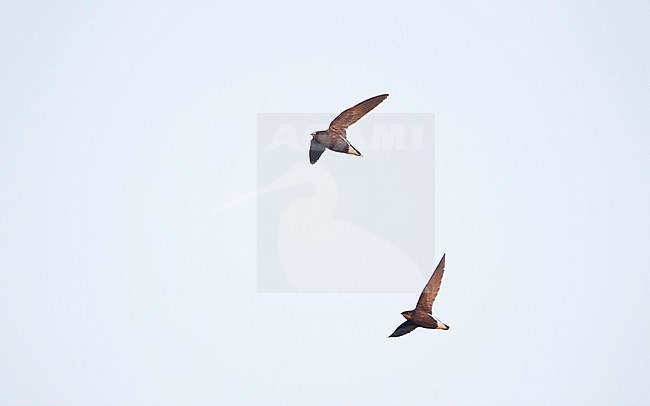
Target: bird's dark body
[[423, 319], [329, 142]]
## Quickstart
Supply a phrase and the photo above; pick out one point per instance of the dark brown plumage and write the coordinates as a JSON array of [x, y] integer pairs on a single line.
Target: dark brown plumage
[[422, 315], [335, 137]]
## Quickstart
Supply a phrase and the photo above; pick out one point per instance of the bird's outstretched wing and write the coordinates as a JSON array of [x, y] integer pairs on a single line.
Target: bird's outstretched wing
[[316, 149], [404, 328], [425, 303], [353, 114]]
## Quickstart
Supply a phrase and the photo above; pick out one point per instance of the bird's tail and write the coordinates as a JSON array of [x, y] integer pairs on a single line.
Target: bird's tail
[[353, 151], [441, 326]]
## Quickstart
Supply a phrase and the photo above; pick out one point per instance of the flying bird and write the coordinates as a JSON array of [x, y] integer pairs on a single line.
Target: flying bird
[[422, 315], [335, 137]]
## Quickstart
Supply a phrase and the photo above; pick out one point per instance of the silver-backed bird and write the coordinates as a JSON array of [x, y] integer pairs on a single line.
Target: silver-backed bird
[[335, 137], [422, 315]]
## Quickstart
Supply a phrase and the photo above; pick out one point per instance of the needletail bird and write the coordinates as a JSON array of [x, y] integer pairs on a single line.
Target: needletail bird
[[422, 315], [335, 137]]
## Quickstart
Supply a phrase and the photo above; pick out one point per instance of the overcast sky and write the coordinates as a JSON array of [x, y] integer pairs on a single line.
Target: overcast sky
[[128, 271]]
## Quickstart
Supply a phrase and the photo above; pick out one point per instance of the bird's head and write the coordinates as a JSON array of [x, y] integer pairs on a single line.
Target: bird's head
[[317, 133], [407, 314]]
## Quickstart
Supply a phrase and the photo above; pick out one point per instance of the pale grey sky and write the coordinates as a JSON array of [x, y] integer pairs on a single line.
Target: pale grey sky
[[126, 129]]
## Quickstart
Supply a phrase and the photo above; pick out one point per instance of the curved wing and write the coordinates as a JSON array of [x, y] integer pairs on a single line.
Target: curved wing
[[404, 328], [428, 295], [316, 149], [353, 114]]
